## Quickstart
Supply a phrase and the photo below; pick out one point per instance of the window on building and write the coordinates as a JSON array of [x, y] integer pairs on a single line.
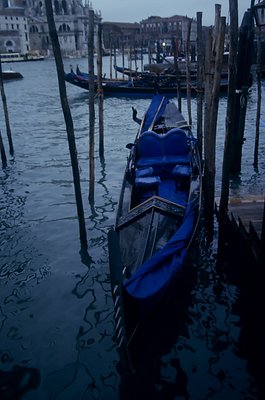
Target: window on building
[[64, 7], [26, 36], [64, 28], [17, 26], [9, 45], [33, 29], [56, 7], [7, 27]]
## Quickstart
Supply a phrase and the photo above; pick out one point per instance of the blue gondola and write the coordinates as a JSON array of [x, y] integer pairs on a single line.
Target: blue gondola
[[157, 217]]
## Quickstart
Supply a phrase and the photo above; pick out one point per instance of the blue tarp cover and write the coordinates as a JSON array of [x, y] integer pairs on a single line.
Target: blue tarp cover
[[152, 109], [154, 276]]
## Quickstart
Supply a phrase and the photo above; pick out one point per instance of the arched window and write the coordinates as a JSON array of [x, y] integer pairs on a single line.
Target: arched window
[[9, 45], [64, 28], [34, 29], [56, 7], [64, 7]]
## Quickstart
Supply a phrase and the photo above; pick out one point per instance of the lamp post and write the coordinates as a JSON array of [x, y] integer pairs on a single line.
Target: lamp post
[[244, 61]]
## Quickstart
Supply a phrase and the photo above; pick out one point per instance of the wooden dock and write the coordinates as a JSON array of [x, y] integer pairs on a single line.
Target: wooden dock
[[246, 216], [248, 212]]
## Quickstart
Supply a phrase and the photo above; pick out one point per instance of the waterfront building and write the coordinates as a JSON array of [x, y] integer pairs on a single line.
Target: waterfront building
[[14, 30], [162, 30], [24, 27]]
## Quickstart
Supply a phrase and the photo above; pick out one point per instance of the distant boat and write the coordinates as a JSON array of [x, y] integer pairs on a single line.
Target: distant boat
[[142, 85], [18, 57], [9, 75]]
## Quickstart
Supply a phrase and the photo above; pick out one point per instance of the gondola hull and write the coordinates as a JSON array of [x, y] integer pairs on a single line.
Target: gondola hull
[[142, 86], [156, 221]]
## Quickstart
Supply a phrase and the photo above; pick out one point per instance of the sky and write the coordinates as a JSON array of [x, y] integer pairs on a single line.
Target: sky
[[136, 10]]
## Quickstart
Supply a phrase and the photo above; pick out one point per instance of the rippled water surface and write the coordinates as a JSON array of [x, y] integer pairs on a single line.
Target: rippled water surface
[[56, 310]]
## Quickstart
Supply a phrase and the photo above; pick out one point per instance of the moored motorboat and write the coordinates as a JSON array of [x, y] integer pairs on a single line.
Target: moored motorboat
[[8, 75], [156, 220]]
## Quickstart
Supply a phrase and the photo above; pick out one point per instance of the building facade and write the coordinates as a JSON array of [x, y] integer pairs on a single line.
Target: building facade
[[24, 27], [165, 30], [14, 31]]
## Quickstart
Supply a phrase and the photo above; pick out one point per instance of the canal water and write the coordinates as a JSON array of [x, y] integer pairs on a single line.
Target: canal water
[[56, 309]]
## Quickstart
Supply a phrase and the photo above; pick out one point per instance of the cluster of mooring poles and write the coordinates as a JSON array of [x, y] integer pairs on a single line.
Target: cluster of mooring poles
[[240, 59], [210, 50]]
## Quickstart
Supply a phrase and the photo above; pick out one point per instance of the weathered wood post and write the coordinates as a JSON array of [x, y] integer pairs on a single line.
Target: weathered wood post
[[115, 59], [68, 121], [211, 126], [188, 78], [244, 59], [100, 92], [91, 104], [142, 56], [263, 232], [200, 63], [3, 153], [230, 117], [256, 147], [110, 60], [123, 57], [8, 130], [150, 52], [177, 72]]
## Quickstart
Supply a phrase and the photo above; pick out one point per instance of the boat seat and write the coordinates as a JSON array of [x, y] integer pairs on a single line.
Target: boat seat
[[147, 182], [181, 171], [139, 173], [160, 150]]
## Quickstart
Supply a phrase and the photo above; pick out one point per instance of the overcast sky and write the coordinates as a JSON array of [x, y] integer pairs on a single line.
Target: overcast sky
[[136, 10]]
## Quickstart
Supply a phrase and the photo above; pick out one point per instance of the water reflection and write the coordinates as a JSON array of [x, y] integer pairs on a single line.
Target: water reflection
[[15, 383]]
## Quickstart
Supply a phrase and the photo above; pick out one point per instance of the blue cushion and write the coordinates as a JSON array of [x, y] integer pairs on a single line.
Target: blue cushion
[[149, 144], [147, 181], [163, 160], [181, 171], [158, 150], [175, 142], [144, 172]]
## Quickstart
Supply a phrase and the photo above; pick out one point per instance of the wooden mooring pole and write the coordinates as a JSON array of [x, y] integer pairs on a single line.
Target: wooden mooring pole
[[244, 60], [230, 116], [100, 93], [259, 67], [188, 78], [177, 72], [200, 63], [8, 130], [91, 105], [211, 113], [3, 153], [68, 121]]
